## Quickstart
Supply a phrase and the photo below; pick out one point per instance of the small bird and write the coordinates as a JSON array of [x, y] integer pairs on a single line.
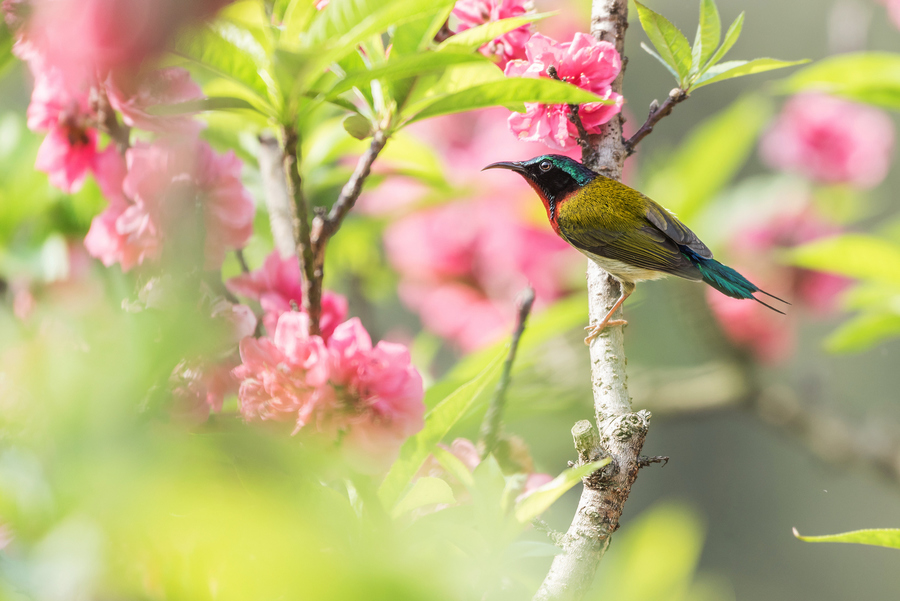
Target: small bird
[[627, 234]]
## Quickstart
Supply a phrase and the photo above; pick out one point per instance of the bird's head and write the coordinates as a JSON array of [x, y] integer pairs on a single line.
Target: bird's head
[[554, 177]]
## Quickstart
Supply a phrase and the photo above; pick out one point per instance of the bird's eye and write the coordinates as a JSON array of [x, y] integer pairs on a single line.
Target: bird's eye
[[545, 165]]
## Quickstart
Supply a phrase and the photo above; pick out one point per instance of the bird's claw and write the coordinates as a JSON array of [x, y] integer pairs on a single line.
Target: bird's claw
[[595, 330]]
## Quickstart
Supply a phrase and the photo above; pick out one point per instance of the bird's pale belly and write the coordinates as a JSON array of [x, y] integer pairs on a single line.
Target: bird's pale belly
[[624, 271]]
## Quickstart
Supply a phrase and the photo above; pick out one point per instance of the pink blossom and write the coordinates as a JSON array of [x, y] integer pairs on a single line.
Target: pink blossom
[[240, 318], [201, 388], [368, 397], [830, 140], [509, 46], [108, 239], [893, 9], [68, 151], [183, 190], [134, 96], [87, 38], [584, 62], [277, 285]]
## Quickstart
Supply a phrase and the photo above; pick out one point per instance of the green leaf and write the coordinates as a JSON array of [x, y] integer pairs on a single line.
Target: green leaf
[[438, 422], [226, 57], [879, 537], [215, 103], [863, 332], [297, 18], [454, 466], [541, 499], [653, 53], [671, 44], [418, 35], [709, 32], [852, 255], [732, 69], [425, 491], [870, 77], [344, 23], [511, 93], [476, 37], [731, 36], [358, 126], [711, 156], [6, 43], [403, 67]]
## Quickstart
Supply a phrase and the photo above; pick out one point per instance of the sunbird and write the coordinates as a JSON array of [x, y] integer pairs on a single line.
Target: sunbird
[[628, 235]]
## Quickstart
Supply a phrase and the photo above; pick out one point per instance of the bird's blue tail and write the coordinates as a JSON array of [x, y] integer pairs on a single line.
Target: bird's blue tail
[[726, 280]]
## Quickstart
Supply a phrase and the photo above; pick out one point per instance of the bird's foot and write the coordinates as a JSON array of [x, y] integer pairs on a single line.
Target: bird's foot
[[594, 331]]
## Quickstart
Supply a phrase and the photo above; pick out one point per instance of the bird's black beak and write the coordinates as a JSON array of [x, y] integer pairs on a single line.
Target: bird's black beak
[[517, 167]]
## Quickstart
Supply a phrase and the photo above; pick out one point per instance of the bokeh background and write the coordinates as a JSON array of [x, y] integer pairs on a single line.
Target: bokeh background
[[434, 258]]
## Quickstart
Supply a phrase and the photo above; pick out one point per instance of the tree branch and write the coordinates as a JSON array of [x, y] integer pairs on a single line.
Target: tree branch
[[573, 116], [657, 112], [279, 202], [301, 229], [490, 427], [621, 432]]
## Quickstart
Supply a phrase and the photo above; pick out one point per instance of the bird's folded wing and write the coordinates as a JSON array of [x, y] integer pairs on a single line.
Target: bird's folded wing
[[676, 231], [646, 247]]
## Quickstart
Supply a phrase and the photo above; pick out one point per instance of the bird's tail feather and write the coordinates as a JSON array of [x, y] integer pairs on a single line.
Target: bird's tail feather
[[728, 281]]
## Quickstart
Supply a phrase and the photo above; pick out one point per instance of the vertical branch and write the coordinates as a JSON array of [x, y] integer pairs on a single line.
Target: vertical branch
[[490, 428], [279, 202], [301, 228], [621, 432]]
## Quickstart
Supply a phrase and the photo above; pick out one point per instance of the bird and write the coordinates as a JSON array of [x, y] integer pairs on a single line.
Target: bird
[[627, 234]]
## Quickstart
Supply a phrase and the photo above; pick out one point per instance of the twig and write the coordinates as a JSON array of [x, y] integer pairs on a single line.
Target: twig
[[107, 121], [490, 427], [573, 116], [657, 112], [239, 254], [621, 432], [311, 303]]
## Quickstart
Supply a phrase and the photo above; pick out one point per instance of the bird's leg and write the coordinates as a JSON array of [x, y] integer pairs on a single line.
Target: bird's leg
[[608, 322]]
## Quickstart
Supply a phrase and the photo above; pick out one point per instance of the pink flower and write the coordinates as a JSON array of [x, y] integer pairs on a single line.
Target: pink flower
[[584, 62], [830, 140], [201, 388], [509, 46], [182, 190], [88, 38], [132, 97], [283, 378], [369, 398], [240, 318], [893, 8], [276, 285], [70, 148]]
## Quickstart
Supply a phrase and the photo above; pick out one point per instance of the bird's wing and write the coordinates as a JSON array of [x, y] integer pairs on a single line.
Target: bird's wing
[[676, 231], [646, 247]]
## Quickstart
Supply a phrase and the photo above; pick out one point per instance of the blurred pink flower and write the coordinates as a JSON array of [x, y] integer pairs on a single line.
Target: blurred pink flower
[[132, 96], [584, 62], [240, 318], [276, 284], [87, 38], [70, 147], [510, 45], [893, 9], [110, 238], [182, 188], [369, 398], [463, 264], [199, 389], [830, 140]]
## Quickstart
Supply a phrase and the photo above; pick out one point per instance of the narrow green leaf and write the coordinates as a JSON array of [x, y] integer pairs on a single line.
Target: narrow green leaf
[[870, 77], [438, 422], [214, 103], [732, 69], [709, 32], [709, 158], [476, 37], [879, 537], [358, 126], [541, 499], [418, 35], [668, 40], [403, 67], [297, 17], [731, 36], [863, 332], [454, 466], [653, 53], [511, 93], [224, 57], [425, 491], [6, 43], [852, 255]]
